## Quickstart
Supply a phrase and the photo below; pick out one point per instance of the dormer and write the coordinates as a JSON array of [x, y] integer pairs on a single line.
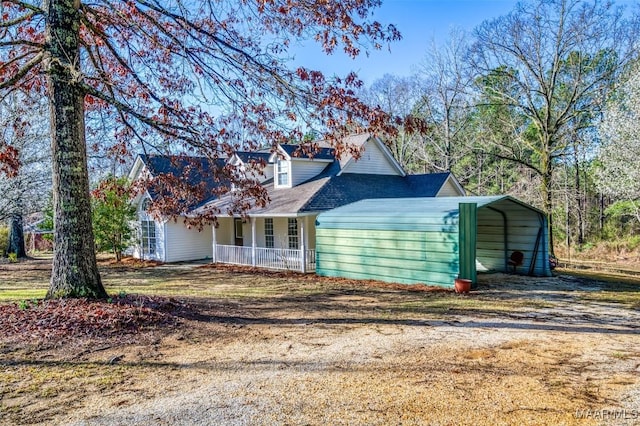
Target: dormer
[[292, 167], [249, 163]]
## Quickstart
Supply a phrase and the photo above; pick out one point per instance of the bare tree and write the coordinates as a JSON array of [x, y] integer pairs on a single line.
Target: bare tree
[[444, 104], [398, 96], [558, 59], [23, 127]]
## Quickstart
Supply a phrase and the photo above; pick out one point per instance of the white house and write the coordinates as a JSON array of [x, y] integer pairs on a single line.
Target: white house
[[282, 234], [169, 240]]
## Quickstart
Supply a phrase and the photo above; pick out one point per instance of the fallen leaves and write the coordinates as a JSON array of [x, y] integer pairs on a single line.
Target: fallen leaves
[[74, 318], [240, 269]]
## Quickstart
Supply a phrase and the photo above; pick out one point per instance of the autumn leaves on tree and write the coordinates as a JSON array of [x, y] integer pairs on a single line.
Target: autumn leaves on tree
[[200, 76]]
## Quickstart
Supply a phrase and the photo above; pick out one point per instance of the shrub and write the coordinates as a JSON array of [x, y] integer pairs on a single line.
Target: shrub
[[4, 240], [633, 242], [112, 215]]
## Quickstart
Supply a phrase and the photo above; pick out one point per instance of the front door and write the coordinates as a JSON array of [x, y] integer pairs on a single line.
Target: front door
[[237, 226]]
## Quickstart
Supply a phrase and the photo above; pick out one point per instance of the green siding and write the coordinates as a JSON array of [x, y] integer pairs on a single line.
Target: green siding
[[426, 253], [467, 235], [392, 255], [427, 240]]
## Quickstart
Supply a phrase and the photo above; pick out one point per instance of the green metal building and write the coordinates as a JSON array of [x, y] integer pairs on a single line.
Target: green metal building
[[431, 240]]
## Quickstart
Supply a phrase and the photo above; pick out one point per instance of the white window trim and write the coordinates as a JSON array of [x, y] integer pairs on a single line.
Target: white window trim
[[291, 236], [279, 163], [145, 241], [144, 204], [236, 228], [270, 236]]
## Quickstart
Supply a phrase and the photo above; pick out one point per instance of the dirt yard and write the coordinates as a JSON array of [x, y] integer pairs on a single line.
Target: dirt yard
[[263, 349]]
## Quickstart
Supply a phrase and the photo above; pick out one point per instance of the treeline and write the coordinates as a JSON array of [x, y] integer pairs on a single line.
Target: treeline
[[542, 104]]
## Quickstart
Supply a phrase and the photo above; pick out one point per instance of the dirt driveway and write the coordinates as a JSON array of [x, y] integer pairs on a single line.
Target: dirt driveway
[[295, 350]]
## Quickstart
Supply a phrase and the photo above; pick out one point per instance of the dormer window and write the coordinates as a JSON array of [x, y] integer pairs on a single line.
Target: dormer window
[[283, 173], [146, 205]]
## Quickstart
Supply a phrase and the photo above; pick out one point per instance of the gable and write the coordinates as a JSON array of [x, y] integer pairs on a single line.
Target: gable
[[137, 168], [249, 163], [293, 167], [450, 188], [197, 173], [375, 159]]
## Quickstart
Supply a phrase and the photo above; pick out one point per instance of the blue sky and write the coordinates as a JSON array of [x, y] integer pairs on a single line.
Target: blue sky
[[419, 21]]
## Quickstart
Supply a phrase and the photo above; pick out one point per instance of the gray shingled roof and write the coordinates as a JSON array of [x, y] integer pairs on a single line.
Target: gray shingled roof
[[427, 185], [247, 156], [328, 191], [351, 187], [320, 153], [194, 170]]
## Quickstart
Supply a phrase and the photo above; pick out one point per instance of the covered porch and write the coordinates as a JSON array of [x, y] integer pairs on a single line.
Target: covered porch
[[273, 242]]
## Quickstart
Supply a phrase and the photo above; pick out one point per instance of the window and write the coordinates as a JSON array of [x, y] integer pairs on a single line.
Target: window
[[293, 233], [268, 233], [283, 173], [148, 228], [146, 204], [237, 224]]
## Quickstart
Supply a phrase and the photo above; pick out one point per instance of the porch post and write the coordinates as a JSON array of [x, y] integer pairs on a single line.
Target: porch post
[[303, 251], [253, 241], [214, 244]]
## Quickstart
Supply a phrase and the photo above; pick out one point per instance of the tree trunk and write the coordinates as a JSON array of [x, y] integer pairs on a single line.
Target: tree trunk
[[16, 236], [579, 199], [601, 216], [547, 198], [75, 270]]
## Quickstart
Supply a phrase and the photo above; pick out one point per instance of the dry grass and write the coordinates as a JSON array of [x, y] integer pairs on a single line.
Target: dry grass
[[274, 348]]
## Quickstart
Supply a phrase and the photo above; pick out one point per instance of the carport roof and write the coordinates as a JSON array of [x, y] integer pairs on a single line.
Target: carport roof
[[418, 207]]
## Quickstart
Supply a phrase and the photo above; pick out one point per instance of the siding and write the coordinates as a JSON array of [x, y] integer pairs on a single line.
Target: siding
[[136, 251], [523, 226], [303, 170], [449, 190], [410, 253], [267, 173], [418, 240], [310, 232], [225, 232], [187, 244], [373, 161], [490, 253]]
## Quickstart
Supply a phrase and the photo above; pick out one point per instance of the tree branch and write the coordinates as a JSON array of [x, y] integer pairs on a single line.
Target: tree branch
[[22, 71], [26, 5]]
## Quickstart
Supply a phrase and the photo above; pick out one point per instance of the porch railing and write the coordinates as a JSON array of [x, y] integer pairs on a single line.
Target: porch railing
[[235, 255], [271, 258]]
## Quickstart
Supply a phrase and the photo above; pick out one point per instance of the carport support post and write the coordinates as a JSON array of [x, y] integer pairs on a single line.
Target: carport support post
[[214, 243], [467, 235], [253, 241], [303, 249]]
